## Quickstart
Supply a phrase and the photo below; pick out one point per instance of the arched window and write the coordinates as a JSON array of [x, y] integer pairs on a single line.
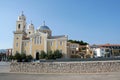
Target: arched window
[[18, 26]]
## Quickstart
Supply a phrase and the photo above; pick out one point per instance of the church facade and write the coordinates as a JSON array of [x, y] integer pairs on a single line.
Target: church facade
[[32, 41]]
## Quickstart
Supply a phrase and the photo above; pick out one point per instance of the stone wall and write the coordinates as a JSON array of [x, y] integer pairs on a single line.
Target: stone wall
[[66, 67]]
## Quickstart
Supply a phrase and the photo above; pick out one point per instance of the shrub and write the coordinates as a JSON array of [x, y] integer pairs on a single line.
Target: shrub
[[18, 57], [23, 56], [57, 54], [42, 55], [29, 58], [49, 55]]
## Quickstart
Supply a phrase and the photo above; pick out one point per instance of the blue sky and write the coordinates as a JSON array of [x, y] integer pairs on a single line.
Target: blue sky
[[93, 21]]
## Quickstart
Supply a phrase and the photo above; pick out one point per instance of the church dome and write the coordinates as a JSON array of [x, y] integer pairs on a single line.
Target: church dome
[[31, 26], [44, 27], [22, 17]]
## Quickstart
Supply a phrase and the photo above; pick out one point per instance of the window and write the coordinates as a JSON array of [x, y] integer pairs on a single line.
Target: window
[[72, 52], [19, 18], [29, 32], [25, 43], [73, 46], [17, 38], [16, 44], [102, 49], [18, 26], [37, 40], [51, 43], [61, 43]]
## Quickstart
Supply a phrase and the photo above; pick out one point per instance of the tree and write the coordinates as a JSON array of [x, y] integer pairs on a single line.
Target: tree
[[18, 57], [57, 54], [11, 57], [79, 42], [42, 55], [29, 58], [50, 55], [23, 56]]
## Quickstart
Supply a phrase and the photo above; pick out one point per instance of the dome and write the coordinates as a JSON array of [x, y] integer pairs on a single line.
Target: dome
[[44, 28], [21, 17], [31, 26]]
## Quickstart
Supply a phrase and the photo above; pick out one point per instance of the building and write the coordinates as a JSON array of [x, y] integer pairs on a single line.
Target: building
[[85, 51], [106, 50], [9, 51], [114, 49], [72, 49], [100, 51], [76, 50], [32, 41]]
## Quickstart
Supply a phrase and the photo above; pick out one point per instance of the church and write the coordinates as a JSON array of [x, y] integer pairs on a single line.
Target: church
[[32, 41]]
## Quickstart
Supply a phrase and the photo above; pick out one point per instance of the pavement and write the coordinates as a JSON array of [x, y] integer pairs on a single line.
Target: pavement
[[4, 67], [6, 75]]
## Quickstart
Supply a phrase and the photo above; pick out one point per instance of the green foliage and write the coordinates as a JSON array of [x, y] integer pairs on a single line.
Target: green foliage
[[50, 55], [42, 55], [11, 57], [29, 58], [17, 57], [53, 55], [79, 42], [21, 57], [57, 54]]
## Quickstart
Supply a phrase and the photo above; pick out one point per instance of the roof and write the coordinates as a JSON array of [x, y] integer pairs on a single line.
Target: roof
[[109, 45], [55, 37], [44, 28], [105, 45], [25, 38]]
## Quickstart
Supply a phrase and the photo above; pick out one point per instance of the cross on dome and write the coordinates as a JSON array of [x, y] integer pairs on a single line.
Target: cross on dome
[[43, 23]]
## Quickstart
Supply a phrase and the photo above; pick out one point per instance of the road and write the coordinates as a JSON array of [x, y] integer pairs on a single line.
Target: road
[[4, 67], [6, 75]]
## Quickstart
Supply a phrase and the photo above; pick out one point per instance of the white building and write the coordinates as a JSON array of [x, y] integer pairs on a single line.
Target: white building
[[100, 51]]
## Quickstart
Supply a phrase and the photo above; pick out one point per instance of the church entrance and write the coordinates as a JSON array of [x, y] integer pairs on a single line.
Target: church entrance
[[37, 56]]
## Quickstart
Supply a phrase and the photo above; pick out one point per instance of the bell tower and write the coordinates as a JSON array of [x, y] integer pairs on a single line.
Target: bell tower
[[30, 29], [21, 23], [19, 33]]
